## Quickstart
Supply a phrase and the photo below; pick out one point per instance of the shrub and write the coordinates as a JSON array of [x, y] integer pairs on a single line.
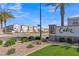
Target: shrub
[[61, 39], [77, 49], [13, 39], [78, 41], [31, 38], [30, 46], [69, 40], [11, 51], [10, 42], [1, 42], [37, 38], [24, 39]]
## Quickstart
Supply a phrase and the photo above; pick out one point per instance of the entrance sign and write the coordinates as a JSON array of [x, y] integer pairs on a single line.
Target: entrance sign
[[61, 30], [64, 31]]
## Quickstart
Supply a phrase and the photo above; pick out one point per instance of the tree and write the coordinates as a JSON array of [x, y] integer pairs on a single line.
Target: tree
[[61, 6], [5, 16]]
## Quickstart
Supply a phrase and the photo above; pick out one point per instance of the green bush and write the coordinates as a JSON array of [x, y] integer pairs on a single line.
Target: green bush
[[37, 38], [10, 42], [13, 39], [1, 42], [70, 41], [30, 46], [30, 38], [11, 51], [24, 39], [77, 49]]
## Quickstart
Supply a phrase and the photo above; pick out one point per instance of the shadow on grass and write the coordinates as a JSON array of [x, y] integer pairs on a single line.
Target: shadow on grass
[[54, 45]]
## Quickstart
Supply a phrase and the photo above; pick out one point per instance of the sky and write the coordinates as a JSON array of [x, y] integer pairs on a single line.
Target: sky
[[28, 13]]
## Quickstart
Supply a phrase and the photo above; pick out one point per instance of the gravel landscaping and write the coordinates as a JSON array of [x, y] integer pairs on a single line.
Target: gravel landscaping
[[21, 48]]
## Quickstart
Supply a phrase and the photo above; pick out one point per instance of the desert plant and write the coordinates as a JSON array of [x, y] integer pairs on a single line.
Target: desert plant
[[30, 46], [11, 51], [1, 42], [30, 38], [37, 38], [24, 39], [9, 42]]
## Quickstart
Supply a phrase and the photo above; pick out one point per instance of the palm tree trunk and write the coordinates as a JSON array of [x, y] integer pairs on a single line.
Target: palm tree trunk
[[62, 13], [1, 24], [5, 26]]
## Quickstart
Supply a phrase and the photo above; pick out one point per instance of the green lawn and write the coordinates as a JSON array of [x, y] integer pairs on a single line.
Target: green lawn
[[52, 50]]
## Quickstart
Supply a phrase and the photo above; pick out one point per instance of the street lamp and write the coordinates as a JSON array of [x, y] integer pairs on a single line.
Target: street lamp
[[40, 23]]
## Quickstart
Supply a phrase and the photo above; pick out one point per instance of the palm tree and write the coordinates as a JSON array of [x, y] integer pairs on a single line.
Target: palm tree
[[5, 16], [61, 6]]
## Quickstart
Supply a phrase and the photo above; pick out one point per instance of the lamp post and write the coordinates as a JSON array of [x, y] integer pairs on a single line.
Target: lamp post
[[40, 23]]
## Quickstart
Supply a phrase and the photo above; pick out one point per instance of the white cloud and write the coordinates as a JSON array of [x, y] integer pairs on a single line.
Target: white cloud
[[16, 7], [50, 8], [22, 15]]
